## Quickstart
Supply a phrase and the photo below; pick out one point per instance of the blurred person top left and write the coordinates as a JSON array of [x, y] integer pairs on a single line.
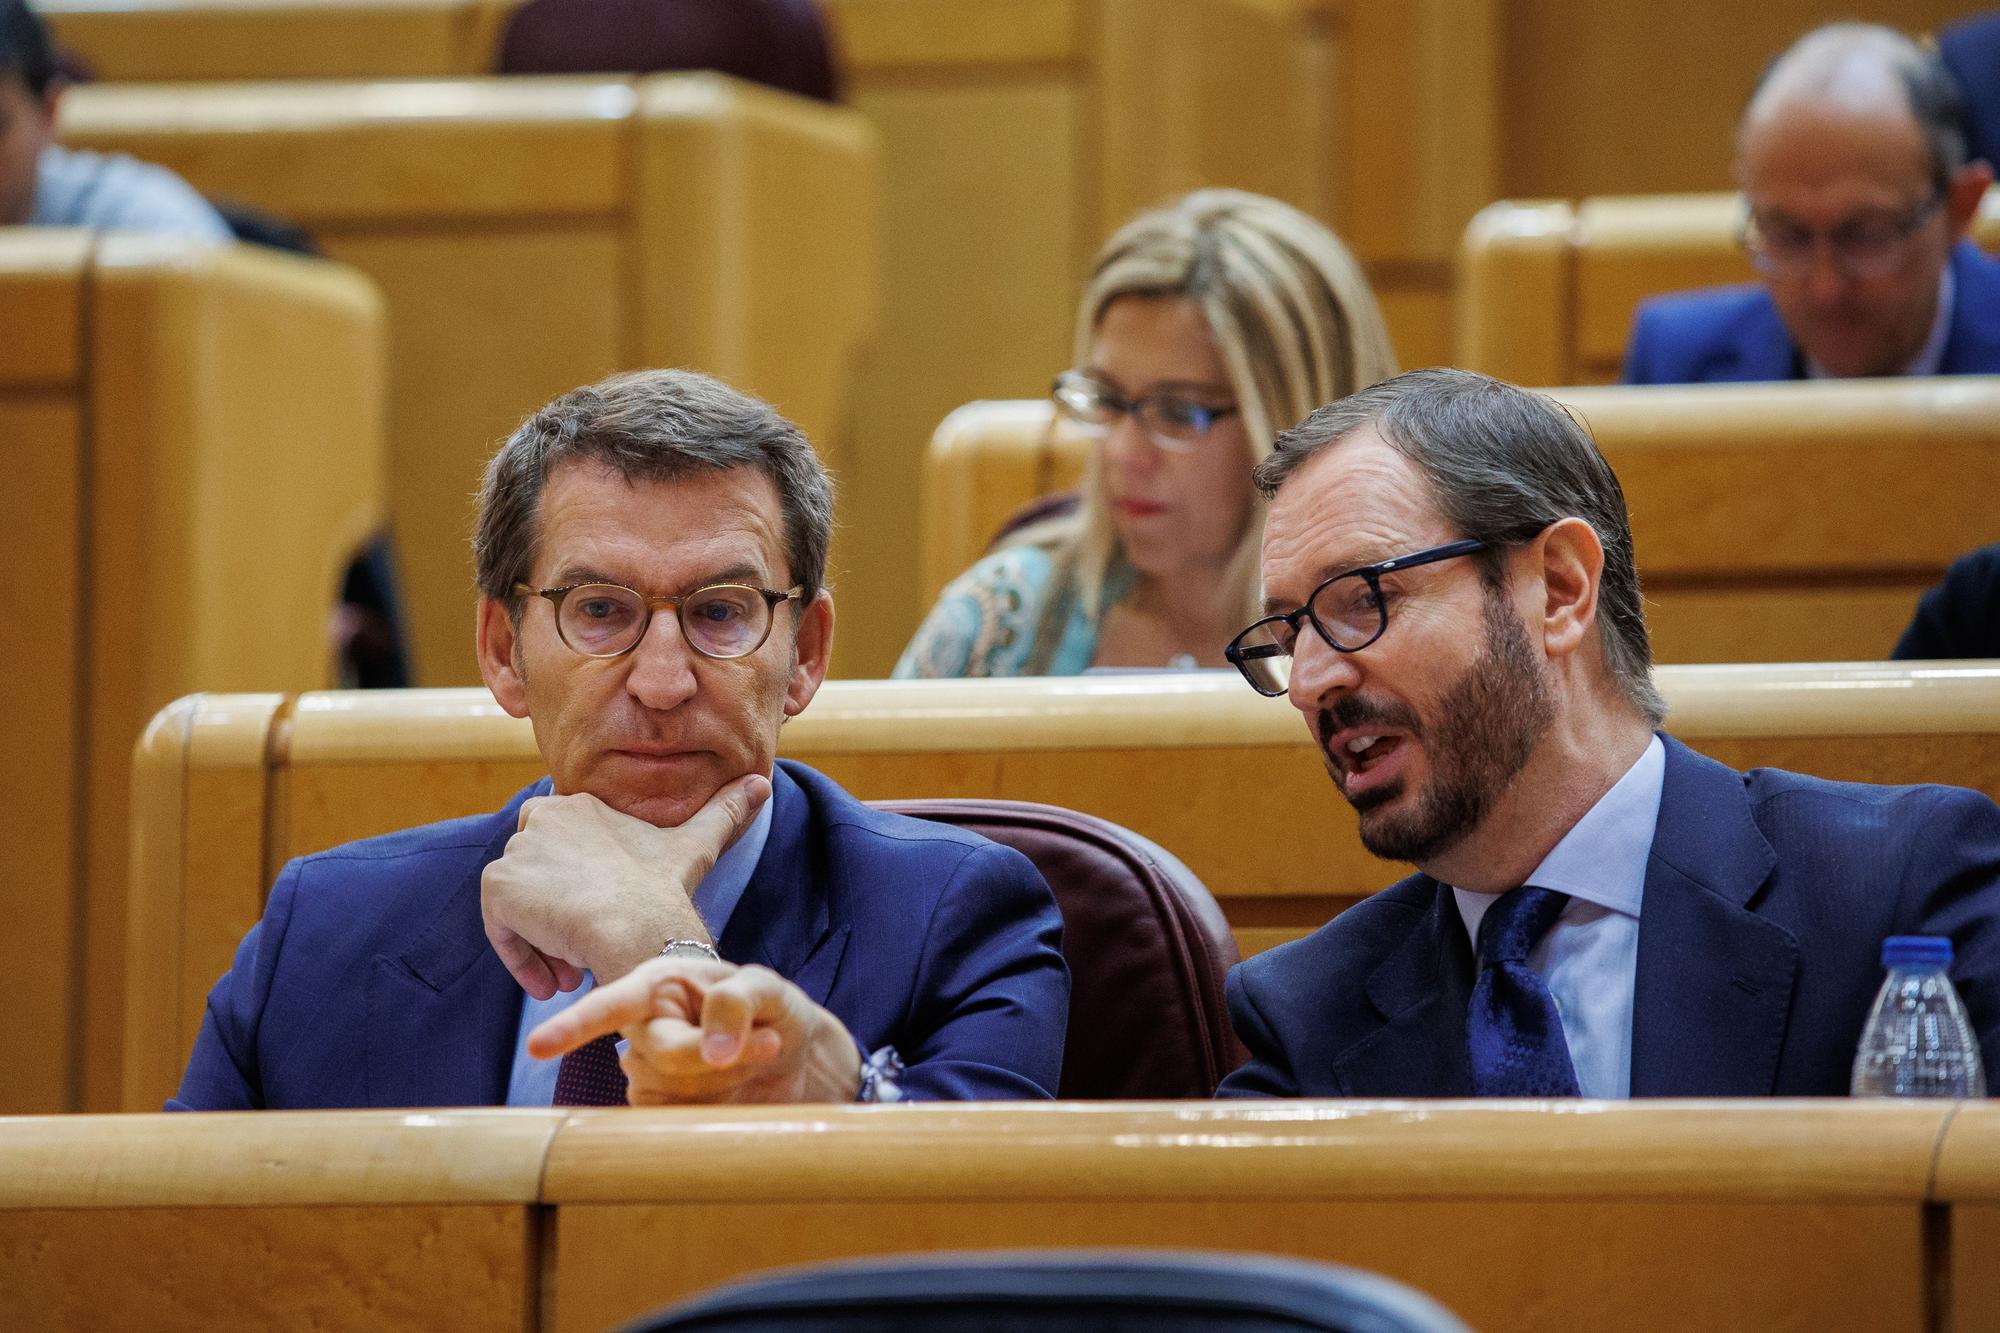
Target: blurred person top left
[[46, 185]]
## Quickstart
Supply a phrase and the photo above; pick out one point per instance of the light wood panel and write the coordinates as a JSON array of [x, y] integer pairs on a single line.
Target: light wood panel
[[162, 41], [358, 1221], [535, 234], [1170, 758], [42, 631], [1802, 1214], [1615, 96], [1712, 1215], [195, 468], [1014, 140], [1549, 289], [1773, 522]]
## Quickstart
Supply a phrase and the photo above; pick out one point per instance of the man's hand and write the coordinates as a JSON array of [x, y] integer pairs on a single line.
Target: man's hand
[[712, 1032], [583, 886]]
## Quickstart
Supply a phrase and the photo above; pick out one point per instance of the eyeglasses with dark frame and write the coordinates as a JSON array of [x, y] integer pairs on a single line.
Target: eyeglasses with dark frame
[[1869, 247], [1175, 421], [1347, 611], [722, 621]]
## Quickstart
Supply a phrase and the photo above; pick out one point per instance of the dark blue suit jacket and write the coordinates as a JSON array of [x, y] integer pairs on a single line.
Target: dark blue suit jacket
[[1971, 51], [1735, 333], [369, 982], [1768, 896]]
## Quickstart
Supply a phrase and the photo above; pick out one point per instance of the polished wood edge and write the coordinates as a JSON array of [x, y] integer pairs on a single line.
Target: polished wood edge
[[275, 1157], [274, 8], [319, 105], [1413, 1150], [1510, 224], [1174, 709], [1624, 417], [1818, 1150]]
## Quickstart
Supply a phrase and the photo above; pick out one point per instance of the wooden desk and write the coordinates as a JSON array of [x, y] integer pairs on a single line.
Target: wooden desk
[[1802, 1214], [228, 787], [532, 235], [1773, 522], [194, 450]]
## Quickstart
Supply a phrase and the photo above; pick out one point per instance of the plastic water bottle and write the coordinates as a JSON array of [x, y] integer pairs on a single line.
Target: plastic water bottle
[[1918, 1042]]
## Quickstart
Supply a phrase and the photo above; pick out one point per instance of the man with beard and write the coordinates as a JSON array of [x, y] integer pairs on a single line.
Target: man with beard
[[1598, 910]]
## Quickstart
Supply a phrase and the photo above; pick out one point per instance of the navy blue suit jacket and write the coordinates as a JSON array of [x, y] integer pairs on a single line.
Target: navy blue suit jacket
[[369, 981], [1767, 898], [1735, 333]]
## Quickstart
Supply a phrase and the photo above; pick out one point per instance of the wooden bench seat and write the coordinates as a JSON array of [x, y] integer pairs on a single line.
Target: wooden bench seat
[[194, 449], [1547, 288], [534, 234]]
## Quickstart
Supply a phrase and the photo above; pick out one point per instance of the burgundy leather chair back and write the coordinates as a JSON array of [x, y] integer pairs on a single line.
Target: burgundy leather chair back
[[783, 43], [1146, 944]]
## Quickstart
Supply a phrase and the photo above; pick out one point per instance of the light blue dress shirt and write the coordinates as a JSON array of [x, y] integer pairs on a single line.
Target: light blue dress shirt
[[112, 192], [533, 1082], [1590, 958]]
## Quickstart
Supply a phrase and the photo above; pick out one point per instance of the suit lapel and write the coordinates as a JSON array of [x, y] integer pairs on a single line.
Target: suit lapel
[[1421, 991], [444, 1015], [1973, 345], [1764, 349], [782, 920], [1714, 984]]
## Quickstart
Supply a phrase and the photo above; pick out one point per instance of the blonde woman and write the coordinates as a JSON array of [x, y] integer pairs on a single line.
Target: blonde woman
[[1209, 325]]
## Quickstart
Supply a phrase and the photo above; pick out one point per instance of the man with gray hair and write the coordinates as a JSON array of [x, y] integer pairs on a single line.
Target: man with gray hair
[[1853, 164], [651, 556], [1453, 605]]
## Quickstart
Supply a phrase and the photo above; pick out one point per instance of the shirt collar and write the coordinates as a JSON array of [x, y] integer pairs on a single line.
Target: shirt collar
[[1602, 859], [1930, 357], [722, 888]]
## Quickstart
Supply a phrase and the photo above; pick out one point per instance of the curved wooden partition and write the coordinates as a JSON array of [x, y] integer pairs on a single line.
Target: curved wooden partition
[[194, 440], [228, 787], [1773, 522], [532, 235], [1821, 1214], [1548, 289]]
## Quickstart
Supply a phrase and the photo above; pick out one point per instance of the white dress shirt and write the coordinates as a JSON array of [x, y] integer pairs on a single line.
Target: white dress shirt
[[533, 1082], [1589, 958]]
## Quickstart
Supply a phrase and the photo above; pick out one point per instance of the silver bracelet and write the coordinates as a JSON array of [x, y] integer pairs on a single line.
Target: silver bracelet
[[881, 1077], [689, 949]]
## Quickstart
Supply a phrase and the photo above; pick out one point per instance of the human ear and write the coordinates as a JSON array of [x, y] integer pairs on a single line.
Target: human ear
[[499, 663], [812, 648], [1572, 566], [1968, 187]]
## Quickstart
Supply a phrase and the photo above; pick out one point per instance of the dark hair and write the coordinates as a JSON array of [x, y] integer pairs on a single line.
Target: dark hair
[[1937, 103], [650, 425], [25, 51], [1502, 464]]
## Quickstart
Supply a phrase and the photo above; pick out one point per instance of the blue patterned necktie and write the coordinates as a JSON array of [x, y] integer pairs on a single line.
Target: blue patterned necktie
[[1513, 1032], [590, 1075]]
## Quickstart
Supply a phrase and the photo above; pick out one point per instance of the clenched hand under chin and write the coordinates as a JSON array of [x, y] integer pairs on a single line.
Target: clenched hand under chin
[[581, 885]]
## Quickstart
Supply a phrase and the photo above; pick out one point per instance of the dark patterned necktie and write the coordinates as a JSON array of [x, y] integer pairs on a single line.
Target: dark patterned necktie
[[590, 1076], [1513, 1032]]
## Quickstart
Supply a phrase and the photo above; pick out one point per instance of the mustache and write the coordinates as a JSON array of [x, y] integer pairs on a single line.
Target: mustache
[[1353, 711]]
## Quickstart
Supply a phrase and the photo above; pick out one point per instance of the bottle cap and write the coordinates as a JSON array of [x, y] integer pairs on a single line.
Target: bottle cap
[[1916, 951]]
